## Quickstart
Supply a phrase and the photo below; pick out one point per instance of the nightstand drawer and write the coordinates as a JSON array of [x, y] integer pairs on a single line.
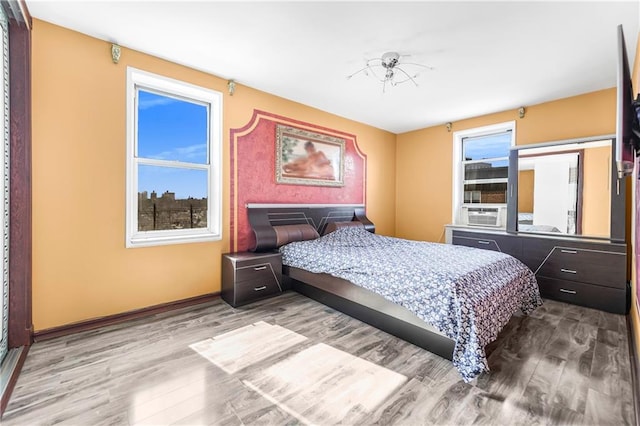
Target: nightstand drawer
[[587, 266], [263, 271], [593, 296], [248, 291]]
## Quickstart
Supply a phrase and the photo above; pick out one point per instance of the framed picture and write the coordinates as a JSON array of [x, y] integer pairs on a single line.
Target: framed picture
[[308, 158]]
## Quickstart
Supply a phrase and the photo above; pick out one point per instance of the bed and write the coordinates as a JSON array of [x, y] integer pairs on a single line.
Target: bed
[[450, 300], [525, 224]]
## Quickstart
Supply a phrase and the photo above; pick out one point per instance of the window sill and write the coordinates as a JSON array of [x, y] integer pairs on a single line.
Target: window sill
[[161, 240]]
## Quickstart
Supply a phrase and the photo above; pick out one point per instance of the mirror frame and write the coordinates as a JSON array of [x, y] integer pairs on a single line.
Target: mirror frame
[[618, 223]]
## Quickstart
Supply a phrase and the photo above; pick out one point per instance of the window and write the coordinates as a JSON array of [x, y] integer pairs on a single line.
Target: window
[[173, 161], [481, 164]]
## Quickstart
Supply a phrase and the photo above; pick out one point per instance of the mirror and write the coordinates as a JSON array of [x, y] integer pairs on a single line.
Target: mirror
[[565, 189]]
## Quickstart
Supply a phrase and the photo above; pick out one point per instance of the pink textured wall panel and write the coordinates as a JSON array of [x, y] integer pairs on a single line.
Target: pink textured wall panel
[[253, 174]]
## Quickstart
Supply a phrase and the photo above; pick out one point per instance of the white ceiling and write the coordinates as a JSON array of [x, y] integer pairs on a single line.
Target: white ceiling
[[486, 56]]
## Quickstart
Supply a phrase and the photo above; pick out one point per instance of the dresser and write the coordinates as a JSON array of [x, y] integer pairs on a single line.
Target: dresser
[[247, 277], [584, 272]]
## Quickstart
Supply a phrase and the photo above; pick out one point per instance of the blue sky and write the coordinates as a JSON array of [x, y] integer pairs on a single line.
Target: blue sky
[[491, 146], [174, 130]]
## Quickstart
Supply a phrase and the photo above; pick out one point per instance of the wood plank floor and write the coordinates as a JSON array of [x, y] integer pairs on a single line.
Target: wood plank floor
[[562, 365]]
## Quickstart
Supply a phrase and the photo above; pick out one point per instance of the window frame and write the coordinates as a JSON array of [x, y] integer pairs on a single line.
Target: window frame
[[138, 79], [458, 164]]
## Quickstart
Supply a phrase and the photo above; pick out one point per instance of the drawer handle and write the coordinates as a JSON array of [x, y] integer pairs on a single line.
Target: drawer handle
[[260, 268], [564, 290], [484, 242], [264, 287], [568, 271], [569, 251]]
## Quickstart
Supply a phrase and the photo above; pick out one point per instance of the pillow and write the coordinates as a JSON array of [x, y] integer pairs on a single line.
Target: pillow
[[332, 226], [289, 233]]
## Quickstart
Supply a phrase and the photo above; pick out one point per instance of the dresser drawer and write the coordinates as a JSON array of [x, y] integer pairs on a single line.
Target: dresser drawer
[[261, 271], [248, 291], [483, 243], [587, 266], [593, 296], [489, 241]]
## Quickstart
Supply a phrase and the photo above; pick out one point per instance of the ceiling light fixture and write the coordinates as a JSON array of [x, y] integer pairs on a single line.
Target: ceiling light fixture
[[389, 67]]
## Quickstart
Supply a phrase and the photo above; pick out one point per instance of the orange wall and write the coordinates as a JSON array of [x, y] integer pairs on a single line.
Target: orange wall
[[81, 268], [596, 192], [424, 157], [525, 191]]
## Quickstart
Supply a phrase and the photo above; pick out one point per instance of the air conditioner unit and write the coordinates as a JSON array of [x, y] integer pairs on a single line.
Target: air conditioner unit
[[484, 216]]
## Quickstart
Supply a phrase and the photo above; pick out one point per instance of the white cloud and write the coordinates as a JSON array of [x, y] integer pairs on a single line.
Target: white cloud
[[150, 103], [185, 153]]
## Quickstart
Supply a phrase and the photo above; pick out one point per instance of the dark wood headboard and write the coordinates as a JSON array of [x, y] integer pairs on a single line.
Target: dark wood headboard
[[263, 217]]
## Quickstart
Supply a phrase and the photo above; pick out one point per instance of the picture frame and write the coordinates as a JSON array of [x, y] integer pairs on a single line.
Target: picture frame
[[308, 158]]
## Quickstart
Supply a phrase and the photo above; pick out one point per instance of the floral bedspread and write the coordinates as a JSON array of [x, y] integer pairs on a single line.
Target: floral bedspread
[[468, 294]]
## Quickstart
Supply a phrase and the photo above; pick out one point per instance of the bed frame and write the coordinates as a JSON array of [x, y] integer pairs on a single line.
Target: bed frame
[[337, 293]]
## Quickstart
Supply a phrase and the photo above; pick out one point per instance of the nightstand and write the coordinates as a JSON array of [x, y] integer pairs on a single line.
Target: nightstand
[[247, 277]]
